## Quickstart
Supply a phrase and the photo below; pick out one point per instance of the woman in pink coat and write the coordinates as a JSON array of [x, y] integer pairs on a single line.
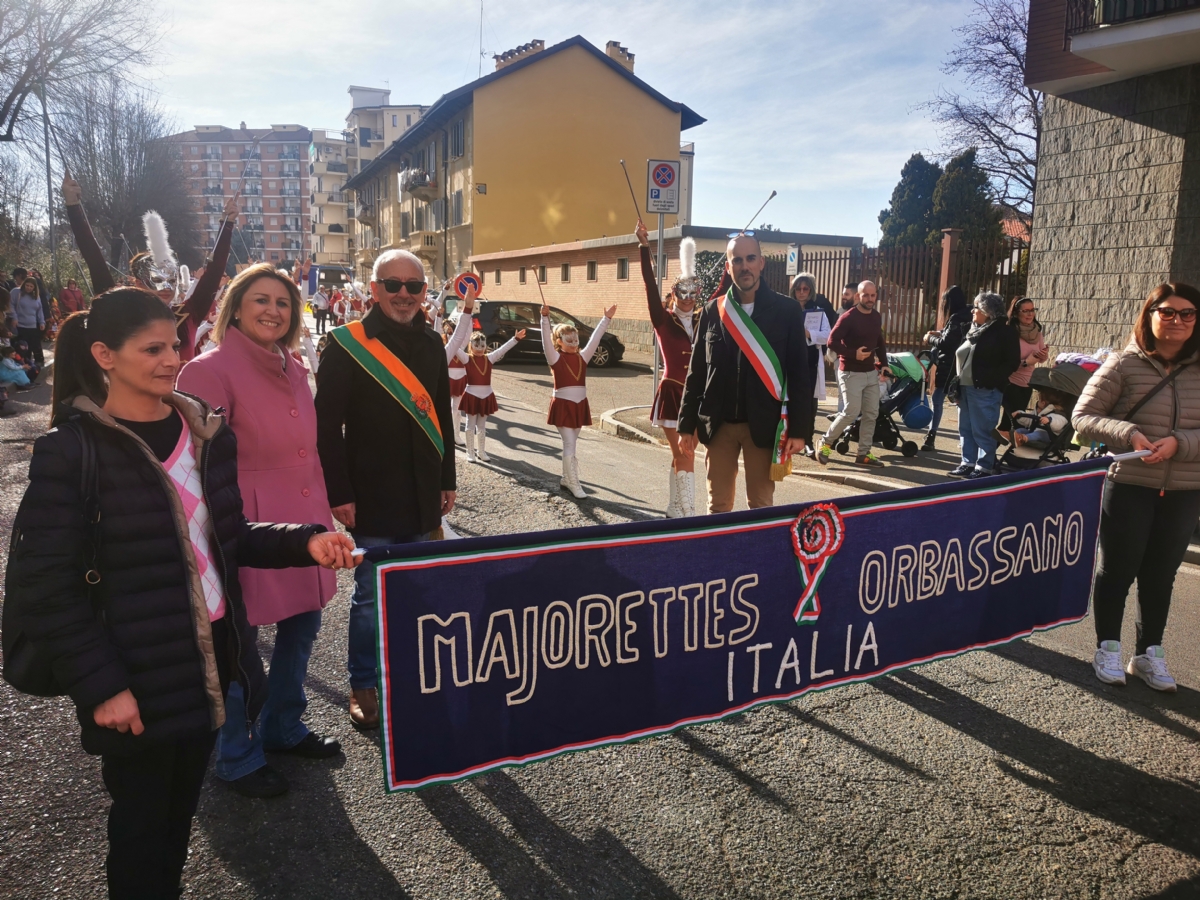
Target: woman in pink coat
[[262, 385]]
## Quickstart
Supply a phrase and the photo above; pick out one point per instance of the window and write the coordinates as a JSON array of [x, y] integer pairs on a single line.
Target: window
[[497, 276], [591, 270], [274, 257], [458, 208], [561, 318], [274, 223], [233, 185], [195, 167], [274, 239], [271, 184], [542, 274], [271, 148], [622, 269], [274, 203], [405, 224], [408, 120], [271, 167], [521, 313], [232, 167], [566, 272], [431, 159], [521, 275], [195, 150], [458, 138], [195, 185], [394, 118]]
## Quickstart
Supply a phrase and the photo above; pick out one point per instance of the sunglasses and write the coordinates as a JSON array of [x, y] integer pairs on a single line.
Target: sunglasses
[[738, 234], [393, 285], [1167, 313]]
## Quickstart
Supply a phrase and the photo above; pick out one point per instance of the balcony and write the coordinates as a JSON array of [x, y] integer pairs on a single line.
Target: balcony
[[211, 154], [323, 197], [290, 173], [336, 167], [350, 211], [292, 245], [328, 228], [418, 183], [424, 244], [252, 190], [365, 211], [246, 154], [1134, 37], [291, 209], [253, 173], [289, 192], [213, 192], [290, 154], [213, 207], [291, 226]]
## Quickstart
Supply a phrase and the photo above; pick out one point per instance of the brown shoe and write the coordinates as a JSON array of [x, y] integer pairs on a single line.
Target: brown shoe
[[364, 708]]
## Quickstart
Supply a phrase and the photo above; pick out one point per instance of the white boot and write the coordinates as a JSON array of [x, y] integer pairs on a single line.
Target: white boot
[[674, 510], [482, 443], [573, 485], [470, 444], [687, 492], [456, 416], [566, 475]]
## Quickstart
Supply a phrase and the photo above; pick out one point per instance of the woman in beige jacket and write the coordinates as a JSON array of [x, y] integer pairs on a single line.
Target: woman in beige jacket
[[1151, 505]]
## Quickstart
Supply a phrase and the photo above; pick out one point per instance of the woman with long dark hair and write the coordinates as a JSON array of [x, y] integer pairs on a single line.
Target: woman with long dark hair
[[149, 649], [1147, 397], [955, 316]]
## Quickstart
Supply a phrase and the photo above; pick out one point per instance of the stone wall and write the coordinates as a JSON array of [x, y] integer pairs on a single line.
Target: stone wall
[[1118, 204]]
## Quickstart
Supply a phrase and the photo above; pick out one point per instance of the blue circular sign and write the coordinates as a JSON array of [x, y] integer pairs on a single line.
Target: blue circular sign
[[465, 280], [664, 175]]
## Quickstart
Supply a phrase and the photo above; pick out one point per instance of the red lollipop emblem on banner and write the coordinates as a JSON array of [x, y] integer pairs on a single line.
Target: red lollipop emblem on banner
[[817, 534]]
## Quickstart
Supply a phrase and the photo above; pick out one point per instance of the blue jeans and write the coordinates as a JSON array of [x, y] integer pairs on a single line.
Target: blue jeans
[[278, 726], [978, 414], [362, 657], [937, 400]]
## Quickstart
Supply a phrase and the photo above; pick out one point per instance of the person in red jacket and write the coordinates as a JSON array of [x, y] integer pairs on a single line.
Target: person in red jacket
[[674, 329], [191, 310]]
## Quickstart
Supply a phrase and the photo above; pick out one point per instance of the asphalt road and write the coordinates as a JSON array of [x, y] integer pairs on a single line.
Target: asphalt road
[[1003, 774]]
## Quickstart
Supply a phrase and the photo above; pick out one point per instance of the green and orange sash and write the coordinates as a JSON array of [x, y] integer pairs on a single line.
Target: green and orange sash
[[394, 376]]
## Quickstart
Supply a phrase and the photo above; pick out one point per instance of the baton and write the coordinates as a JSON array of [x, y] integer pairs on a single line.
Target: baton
[[1135, 454], [632, 195], [721, 262]]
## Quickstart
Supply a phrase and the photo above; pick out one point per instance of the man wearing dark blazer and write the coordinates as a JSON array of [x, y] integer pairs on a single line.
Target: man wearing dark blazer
[[726, 406]]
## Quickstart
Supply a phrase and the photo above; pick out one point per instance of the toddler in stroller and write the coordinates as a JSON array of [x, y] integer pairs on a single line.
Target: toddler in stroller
[[1042, 435], [905, 395]]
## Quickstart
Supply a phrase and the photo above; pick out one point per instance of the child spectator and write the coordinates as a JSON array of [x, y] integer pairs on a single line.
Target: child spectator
[[1038, 427]]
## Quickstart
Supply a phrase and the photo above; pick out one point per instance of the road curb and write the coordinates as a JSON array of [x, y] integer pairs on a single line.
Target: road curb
[[610, 424], [871, 485]]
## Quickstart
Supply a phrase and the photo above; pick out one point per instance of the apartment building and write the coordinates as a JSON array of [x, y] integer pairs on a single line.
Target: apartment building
[[526, 156], [275, 192], [1117, 210], [330, 213]]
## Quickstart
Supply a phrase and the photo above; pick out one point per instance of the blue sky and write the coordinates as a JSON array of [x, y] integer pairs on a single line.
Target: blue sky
[[814, 99]]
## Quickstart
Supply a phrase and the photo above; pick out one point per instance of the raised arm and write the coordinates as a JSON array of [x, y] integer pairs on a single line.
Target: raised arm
[[498, 354], [462, 330], [200, 303], [85, 240], [594, 341], [658, 315], [548, 341]]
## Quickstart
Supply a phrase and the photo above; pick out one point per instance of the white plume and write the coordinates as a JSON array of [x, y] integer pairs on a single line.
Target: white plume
[[157, 241], [687, 258], [185, 280]]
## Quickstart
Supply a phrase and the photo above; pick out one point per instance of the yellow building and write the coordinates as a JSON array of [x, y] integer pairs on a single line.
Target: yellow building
[[526, 156]]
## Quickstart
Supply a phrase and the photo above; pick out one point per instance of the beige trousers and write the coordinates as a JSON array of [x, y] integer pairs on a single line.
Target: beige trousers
[[721, 464]]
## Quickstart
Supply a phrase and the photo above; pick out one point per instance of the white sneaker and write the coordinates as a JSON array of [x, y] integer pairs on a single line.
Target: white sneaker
[[1107, 663], [1151, 667]]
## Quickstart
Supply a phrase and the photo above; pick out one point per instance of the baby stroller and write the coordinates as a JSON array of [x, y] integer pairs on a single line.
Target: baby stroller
[[905, 395], [1066, 378]]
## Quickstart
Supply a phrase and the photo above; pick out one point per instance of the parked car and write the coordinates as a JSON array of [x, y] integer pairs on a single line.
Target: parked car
[[499, 320]]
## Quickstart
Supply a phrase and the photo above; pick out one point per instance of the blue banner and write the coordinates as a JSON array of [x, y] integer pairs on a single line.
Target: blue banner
[[503, 651]]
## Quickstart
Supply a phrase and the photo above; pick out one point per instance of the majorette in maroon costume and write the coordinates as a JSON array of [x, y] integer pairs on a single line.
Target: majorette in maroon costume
[[569, 410], [478, 398], [458, 375]]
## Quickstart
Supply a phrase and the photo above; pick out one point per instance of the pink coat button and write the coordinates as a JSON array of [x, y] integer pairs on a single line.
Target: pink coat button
[[304, 492], [303, 453], [295, 413]]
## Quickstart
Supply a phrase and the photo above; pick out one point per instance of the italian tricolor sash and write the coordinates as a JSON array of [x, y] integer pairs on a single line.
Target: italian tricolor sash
[[754, 345], [395, 377]]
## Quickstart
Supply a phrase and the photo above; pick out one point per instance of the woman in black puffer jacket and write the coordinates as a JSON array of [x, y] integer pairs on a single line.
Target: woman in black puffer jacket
[[955, 316], [148, 655]]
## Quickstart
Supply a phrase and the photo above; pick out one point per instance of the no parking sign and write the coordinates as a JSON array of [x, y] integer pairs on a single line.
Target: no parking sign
[[466, 280], [662, 186]]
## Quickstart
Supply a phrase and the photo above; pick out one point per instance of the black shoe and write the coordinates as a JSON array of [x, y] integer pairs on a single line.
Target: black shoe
[[261, 783], [312, 746], [928, 446]]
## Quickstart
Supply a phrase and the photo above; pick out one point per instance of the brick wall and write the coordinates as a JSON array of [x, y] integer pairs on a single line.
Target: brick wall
[[1118, 204]]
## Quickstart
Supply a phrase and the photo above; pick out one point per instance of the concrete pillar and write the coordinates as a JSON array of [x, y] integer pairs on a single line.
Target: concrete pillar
[[950, 240]]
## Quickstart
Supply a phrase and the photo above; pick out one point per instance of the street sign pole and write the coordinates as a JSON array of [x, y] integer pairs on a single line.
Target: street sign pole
[[659, 274], [662, 197]]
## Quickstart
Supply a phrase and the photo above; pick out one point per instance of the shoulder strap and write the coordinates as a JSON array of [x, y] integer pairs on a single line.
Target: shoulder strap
[[1154, 390], [89, 494]]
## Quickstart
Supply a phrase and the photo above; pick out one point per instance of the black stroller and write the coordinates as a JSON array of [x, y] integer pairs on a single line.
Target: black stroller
[[1068, 379], [906, 389]]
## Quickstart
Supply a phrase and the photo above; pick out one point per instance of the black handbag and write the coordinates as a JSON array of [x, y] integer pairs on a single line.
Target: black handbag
[[1102, 450], [27, 666]]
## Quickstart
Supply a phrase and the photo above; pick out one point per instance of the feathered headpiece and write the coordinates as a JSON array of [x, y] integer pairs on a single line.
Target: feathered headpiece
[[157, 268], [687, 283]]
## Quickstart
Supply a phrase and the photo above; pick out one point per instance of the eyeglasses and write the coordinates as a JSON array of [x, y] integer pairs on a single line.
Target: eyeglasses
[[393, 285], [1167, 313]]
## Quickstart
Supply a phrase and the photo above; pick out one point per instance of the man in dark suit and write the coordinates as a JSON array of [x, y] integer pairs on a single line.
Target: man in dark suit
[[726, 405]]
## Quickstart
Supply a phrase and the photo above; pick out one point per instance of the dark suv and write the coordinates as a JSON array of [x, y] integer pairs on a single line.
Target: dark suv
[[499, 320]]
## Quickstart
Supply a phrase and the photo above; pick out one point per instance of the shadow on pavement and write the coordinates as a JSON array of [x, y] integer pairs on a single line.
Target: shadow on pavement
[[566, 866], [1162, 810], [1180, 890], [1135, 697], [878, 752], [721, 761]]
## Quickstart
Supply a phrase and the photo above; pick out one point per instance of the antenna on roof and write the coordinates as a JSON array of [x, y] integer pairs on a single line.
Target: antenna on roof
[[480, 75]]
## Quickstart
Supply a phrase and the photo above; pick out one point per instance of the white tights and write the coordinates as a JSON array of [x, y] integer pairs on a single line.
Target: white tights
[[476, 424], [454, 402], [569, 438]]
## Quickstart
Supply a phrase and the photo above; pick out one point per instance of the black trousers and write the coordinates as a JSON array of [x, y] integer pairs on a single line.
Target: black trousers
[[319, 315], [1016, 398], [1143, 536], [33, 336], [155, 792]]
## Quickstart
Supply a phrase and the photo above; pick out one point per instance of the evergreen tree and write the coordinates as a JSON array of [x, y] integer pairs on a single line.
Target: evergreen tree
[[907, 220], [963, 199]]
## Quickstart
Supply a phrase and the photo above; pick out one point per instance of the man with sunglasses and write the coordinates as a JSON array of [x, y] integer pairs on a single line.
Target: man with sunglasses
[[749, 352], [383, 434]]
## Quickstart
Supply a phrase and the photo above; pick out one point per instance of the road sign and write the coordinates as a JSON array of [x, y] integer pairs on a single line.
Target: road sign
[[465, 280], [662, 186], [793, 259]]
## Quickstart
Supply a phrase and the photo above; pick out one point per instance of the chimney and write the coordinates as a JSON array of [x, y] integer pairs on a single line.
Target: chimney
[[242, 126], [619, 53], [508, 57]]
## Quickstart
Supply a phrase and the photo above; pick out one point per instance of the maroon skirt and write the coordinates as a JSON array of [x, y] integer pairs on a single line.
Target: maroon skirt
[[667, 401], [458, 386], [478, 406], [567, 414]]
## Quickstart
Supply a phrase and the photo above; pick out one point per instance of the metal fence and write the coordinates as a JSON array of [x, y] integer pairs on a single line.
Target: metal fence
[[1086, 15]]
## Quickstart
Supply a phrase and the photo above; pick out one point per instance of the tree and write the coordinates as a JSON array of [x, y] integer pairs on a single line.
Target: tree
[[1001, 118], [117, 150], [55, 44], [963, 199], [907, 220]]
